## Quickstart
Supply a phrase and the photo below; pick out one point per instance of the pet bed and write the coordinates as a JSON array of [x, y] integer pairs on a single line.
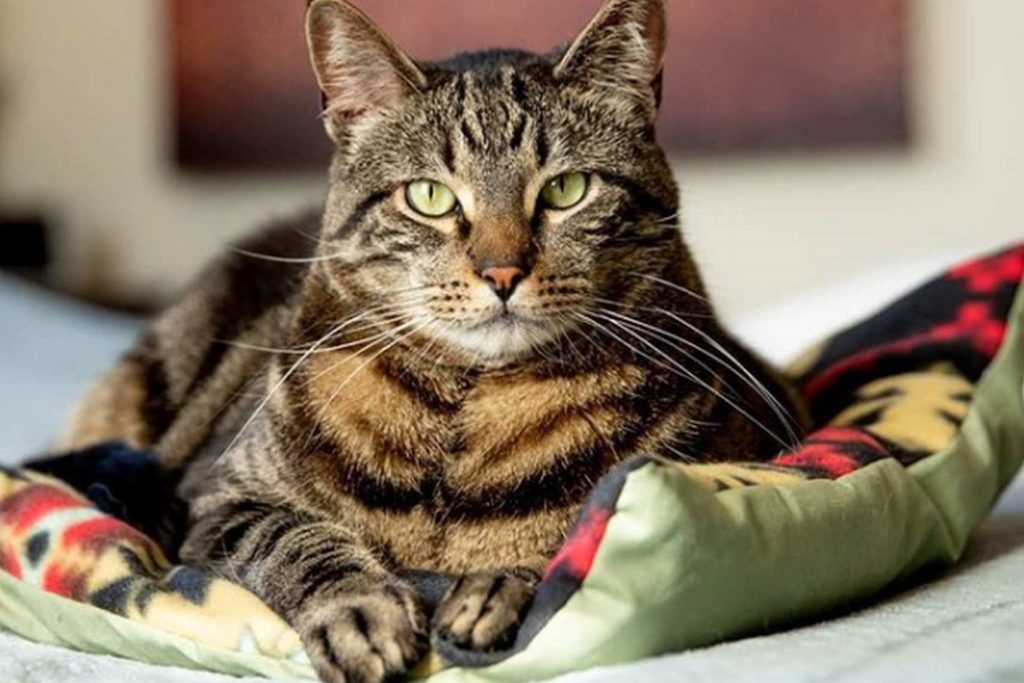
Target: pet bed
[[922, 425]]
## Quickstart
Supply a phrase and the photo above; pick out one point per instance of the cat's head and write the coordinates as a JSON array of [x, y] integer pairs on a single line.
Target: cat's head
[[494, 202]]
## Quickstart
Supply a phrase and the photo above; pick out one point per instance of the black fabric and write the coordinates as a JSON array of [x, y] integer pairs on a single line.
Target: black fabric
[[127, 484]]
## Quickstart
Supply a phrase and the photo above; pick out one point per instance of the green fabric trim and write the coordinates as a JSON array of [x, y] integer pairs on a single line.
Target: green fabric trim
[[681, 567]]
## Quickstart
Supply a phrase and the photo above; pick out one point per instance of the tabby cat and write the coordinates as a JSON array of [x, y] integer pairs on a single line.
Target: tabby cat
[[494, 309]]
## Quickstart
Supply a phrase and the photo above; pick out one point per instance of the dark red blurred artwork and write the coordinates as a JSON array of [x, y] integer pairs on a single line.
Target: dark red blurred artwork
[[740, 74]]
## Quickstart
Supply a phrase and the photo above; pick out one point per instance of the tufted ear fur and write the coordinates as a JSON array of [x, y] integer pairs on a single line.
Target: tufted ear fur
[[621, 51], [358, 68]]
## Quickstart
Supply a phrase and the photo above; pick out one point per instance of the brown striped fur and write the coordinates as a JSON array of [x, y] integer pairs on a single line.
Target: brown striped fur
[[362, 403]]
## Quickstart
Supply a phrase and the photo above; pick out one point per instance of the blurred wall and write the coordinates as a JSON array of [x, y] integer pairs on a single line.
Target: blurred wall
[[84, 115]]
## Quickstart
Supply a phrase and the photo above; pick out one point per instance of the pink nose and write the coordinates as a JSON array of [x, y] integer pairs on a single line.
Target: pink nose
[[503, 279]]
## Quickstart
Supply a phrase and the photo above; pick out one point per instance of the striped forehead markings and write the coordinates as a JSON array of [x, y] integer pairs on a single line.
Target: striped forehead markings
[[490, 121]]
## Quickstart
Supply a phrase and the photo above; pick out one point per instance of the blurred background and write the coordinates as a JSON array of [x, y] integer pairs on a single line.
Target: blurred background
[[813, 140]]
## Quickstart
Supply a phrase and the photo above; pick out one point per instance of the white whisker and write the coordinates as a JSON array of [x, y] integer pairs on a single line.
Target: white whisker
[[784, 416], [671, 285], [727, 360], [270, 394], [674, 366], [337, 329], [285, 259], [364, 345], [367, 362]]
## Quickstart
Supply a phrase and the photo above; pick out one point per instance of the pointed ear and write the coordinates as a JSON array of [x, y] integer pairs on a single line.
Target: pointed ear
[[621, 50], [358, 68]]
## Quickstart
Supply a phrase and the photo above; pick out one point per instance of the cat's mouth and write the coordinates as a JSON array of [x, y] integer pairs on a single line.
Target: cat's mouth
[[503, 320], [505, 316]]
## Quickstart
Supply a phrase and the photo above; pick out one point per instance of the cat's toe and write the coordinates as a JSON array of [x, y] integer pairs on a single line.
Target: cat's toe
[[483, 611], [364, 638]]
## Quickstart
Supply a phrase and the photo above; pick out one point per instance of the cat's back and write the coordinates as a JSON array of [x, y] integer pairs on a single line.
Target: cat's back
[[196, 357]]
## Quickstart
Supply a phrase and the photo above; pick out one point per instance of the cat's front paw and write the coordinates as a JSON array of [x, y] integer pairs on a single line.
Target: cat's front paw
[[365, 637], [483, 611]]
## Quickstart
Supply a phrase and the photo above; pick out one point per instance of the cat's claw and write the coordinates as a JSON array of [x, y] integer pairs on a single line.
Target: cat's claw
[[365, 638], [482, 611]]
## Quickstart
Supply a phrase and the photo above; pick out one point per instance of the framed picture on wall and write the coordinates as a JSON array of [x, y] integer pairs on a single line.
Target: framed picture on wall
[[741, 75]]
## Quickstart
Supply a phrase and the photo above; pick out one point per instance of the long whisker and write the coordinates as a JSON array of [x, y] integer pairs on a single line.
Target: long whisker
[[369, 323], [759, 389], [670, 285], [394, 309], [620, 320], [726, 359], [366, 363], [364, 345], [567, 336], [784, 414], [681, 369], [674, 366], [765, 396], [286, 259], [381, 342], [689, 374], [684, 457], [284, 378], [421, 354], [738, 366]]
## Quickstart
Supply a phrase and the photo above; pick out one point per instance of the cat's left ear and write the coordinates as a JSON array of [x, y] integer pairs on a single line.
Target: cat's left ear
[[621, 51], [359, 69]]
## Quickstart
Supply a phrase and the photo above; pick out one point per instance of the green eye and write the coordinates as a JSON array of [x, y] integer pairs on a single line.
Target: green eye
[[430, 198], [565, 191]]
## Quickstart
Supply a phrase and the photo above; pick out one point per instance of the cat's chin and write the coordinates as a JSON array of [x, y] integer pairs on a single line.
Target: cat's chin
[[503, 340]]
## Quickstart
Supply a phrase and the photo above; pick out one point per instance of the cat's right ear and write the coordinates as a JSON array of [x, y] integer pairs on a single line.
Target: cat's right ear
[[620, 53], [358, 68]]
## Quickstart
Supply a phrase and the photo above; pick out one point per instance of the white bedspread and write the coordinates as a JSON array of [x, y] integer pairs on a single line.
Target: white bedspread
[[967, 625]]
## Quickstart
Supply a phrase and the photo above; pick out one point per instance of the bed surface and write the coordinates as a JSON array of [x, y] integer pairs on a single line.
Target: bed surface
[[965, 625], [50, 351]]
